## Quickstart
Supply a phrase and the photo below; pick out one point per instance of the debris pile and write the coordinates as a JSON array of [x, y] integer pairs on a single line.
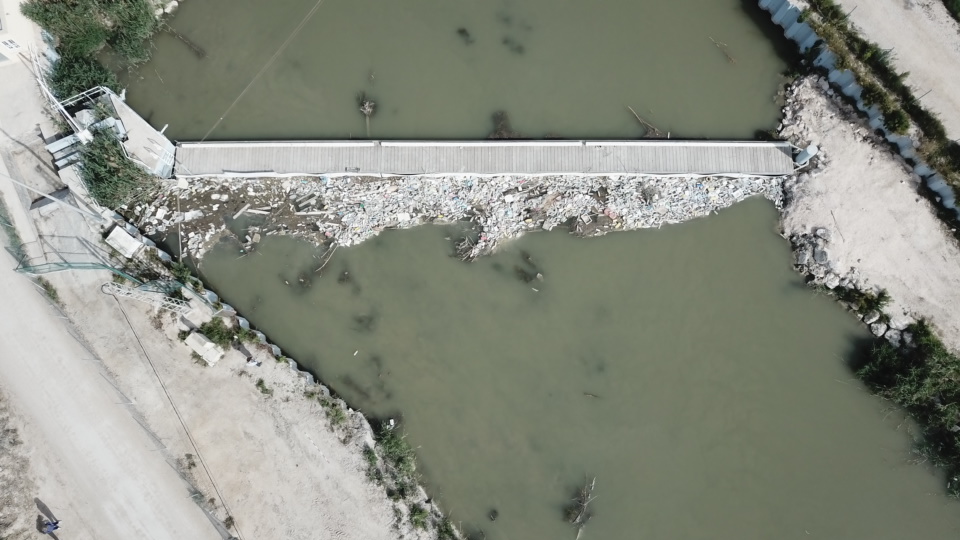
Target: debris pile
[[348, 210]]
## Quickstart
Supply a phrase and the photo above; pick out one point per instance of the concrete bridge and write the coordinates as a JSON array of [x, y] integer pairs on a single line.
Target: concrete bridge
[[391, 158]]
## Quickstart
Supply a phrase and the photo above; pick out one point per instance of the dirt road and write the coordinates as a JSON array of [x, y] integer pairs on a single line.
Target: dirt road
[[97, 469], [925, 41]]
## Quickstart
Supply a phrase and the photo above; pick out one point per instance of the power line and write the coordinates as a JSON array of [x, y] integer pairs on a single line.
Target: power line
[[266, 66], [179, 417]]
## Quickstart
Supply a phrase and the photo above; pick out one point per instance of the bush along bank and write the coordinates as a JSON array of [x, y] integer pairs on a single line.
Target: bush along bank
[[83, 28], [886, 89], [953, 6], [906, 363], [920, 375]]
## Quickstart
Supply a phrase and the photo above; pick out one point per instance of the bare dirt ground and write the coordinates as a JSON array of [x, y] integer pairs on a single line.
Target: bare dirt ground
[[106, 442], [94, 466], [272, 463], [881, 226], [926, 42], [16, 517]]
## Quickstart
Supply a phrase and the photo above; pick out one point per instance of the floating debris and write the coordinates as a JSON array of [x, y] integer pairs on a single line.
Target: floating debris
[[349, 210]]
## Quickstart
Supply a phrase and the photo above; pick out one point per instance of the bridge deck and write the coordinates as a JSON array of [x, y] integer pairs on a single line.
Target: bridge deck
[[482, 158]]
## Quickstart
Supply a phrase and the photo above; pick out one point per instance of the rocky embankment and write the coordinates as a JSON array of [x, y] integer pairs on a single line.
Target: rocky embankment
[[346, 211]]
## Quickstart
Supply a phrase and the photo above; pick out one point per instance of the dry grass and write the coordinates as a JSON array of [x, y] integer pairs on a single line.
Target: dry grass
[[16, 506]]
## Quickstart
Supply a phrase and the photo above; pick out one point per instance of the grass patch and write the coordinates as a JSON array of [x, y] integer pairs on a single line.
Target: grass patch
[[15, 243], [924, 379], [263, 388], [397, 451], [217, 331], [419, 516], [863, 302], [335, 413], [446, 530], [112, 178], [197, 359], [49, 290], [181, 272], [83, 28], [246, 335]]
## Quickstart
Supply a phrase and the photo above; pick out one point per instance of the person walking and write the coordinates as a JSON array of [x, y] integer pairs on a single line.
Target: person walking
[[50, 526]]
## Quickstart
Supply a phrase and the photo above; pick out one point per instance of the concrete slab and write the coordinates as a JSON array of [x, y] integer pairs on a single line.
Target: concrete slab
[[208, 350], [123, 242]]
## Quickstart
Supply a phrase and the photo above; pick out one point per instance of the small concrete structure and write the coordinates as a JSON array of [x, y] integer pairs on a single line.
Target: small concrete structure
[[124, 242], [208, 350]]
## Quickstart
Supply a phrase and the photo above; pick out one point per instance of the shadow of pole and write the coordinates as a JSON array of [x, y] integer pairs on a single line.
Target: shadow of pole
[[44, 509]]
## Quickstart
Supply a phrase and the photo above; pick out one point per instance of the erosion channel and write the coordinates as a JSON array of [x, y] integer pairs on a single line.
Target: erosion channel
[[689, 370]]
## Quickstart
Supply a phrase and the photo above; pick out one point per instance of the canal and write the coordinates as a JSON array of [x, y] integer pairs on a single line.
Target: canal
[[689, 370], [441, 69]]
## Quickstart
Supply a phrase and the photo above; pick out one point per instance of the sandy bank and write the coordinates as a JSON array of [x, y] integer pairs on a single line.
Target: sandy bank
[[883, 234]]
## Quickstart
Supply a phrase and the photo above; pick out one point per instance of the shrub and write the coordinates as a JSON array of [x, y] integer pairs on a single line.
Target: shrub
[[896, 120], [111, 177], [396, 451], [262, 387], [181, 272], [73, 73], [82, 28], [924, 379], [418, 516], [49, 290], [217, 332]]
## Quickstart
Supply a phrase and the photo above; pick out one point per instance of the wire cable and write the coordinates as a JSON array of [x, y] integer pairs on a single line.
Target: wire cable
[[266, 66]]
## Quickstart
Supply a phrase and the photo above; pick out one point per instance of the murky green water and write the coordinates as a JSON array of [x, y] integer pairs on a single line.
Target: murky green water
[[723, 408], [440, 68]]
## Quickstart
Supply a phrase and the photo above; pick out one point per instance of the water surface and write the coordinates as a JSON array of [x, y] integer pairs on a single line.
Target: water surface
[[440, 68], [723, 407]]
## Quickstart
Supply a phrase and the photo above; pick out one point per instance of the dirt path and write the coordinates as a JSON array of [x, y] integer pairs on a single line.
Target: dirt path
[[96, 467], [926, 42]]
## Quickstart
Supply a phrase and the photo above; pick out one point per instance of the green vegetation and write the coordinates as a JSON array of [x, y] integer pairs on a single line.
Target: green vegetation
[[886, 88], [446, 530], [263, 388], [953, 6], [924, 379], [396, 451], [863, 302], [373, 471], [418, 516], [49, 290], [335, 413], [217, 331], [112, 178], [83, 28], [15, 243], [181, 273], [246, 335]]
